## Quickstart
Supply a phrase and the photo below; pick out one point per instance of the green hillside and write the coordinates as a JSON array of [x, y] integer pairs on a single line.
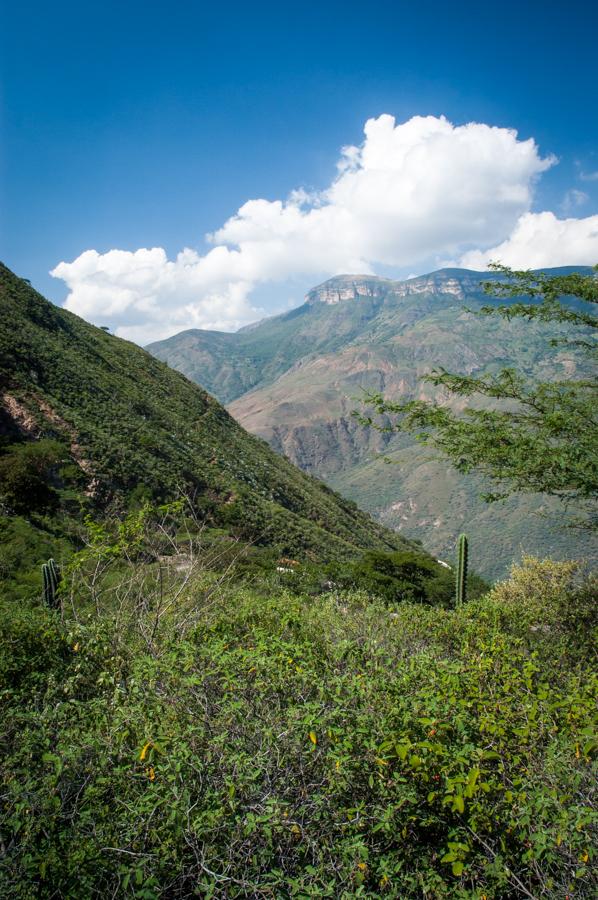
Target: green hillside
[[358, 333], [128, 429]]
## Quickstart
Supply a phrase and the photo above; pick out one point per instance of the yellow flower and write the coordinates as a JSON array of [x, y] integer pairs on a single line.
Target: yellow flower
[[143, 753], [313, 738], [150, 773], [76, 647]]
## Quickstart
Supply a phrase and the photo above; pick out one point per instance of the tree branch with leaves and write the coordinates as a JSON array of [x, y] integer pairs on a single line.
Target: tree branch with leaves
[[524, 435]]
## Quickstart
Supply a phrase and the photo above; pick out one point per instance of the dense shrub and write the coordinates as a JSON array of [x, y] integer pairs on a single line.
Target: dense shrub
[[25, 476], [405, 575], [288, 746], [402, 576]]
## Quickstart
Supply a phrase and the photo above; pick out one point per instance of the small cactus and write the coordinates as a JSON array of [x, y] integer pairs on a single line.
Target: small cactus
[[461, 575], [51, 580]]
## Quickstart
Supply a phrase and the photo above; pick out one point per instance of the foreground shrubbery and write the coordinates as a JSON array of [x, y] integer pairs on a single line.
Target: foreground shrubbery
[[276, 745]]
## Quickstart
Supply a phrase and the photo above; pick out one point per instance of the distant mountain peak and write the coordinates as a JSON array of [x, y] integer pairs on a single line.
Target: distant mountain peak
[[455, 281], [352, 287]]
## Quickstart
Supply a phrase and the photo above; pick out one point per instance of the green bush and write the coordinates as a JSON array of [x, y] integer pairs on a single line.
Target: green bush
[[400, 576], [32, 647], [288, 746], [25, 471]]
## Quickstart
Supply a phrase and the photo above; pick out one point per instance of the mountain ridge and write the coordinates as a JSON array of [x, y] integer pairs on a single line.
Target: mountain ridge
[[295, 380]]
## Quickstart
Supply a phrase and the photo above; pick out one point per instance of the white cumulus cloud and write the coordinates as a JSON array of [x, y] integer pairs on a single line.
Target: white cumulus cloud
[[541, 239], [147, 296], [410, 193]]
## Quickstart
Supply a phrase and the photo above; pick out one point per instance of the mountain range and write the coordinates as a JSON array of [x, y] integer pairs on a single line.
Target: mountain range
[[295, 379]]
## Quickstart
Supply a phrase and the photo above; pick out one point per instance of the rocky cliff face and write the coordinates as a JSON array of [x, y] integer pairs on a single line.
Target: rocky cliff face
[[348, 287], [353, 287]]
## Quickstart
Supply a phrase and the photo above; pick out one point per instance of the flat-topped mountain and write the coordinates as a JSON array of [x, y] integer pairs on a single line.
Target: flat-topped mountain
[[295, 379], [352, 287], [229, 364]]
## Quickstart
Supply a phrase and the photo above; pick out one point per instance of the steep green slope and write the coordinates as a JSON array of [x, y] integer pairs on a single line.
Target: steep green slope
[[131, 425], [374, 334]]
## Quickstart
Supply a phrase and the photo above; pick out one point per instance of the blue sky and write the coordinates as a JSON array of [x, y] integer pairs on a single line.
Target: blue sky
[[147, 125]]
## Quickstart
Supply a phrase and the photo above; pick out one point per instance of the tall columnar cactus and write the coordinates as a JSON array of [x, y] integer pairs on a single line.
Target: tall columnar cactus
[[461, 575], [51, 580]]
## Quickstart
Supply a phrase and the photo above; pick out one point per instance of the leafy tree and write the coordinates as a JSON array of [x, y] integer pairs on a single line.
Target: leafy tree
[[25, 472], [532, 436], [403, 575]]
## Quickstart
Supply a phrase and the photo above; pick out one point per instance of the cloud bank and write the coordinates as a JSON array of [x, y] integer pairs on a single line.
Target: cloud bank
[[540, 239], [412, 193]]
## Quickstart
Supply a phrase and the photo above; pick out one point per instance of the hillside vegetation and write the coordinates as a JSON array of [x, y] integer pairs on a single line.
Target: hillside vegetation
[[295, 380], [91, 424], [174, 734]]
